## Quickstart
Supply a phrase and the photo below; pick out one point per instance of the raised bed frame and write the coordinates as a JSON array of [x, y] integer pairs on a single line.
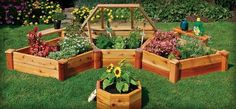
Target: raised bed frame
[[174, 70], [22, 61]]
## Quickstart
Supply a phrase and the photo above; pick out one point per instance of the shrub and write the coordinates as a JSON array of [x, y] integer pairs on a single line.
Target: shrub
[[134, 40], [104, 41], [175, 10], [119, 43]]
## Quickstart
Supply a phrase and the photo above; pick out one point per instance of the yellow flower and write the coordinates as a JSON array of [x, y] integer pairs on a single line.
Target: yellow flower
[[40, 17], [109, 20], [117, 72], [36, 23], [109, 68], [33, 16], [31, 23], [49, 17], [18, 18], [122, 16], [97, 16]]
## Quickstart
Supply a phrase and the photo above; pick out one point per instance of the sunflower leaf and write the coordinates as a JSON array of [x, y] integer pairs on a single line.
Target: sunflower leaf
[[105, 83], [119, 86], [126, 77], [133, 82], [126, 87]]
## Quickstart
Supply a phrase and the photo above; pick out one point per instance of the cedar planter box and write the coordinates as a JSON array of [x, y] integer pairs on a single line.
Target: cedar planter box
[[175, 70], [191, 34], [106, 100], [22, 61]]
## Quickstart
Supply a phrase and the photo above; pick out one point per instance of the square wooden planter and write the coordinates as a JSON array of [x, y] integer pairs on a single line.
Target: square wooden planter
[[22, 61], [175, 70], [106, 100]]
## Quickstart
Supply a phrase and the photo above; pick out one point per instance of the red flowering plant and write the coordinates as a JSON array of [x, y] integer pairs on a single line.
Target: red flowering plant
[[163, 44], [37, 46]]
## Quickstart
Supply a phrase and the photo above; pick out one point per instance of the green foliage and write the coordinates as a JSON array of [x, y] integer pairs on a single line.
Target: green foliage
[[193, 48], [104, 41], [119, 42], [175, 10], [133, 41], [58, 16], [70, 47], [119, 76]]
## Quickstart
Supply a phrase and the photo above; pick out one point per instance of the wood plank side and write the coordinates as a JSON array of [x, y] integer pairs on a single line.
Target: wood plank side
[[155, 60], [108, 61], [35, 70], [35, 60], [200, 61], [75, 70], [51, 31], [80, 59], [118, 53], [155, 70], [200, 70]]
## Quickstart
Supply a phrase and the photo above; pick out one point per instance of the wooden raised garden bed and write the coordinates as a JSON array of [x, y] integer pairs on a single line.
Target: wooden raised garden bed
[[22, 61], [190, 33], [108, 56], [175, 69], [106, 100]]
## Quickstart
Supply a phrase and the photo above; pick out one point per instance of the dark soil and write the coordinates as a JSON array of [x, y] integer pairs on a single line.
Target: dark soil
[[112, 89]]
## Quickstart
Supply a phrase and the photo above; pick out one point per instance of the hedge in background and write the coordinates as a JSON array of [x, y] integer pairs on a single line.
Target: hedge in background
[[175, 10], [27, 12]]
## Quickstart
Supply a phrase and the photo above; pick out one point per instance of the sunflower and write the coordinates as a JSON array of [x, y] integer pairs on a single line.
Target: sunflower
[[117, 72], [109, 68]]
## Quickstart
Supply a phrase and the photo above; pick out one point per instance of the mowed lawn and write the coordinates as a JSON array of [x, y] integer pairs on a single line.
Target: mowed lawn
[[215, 90]]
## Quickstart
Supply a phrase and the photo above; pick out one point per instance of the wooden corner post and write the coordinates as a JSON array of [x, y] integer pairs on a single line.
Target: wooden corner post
[[97, 58], [138, 58], [63, 67], [9, 59], [224, 59], [174, 71]]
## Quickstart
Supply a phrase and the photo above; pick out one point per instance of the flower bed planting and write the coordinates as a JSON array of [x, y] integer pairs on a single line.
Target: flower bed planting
[[176, 58]]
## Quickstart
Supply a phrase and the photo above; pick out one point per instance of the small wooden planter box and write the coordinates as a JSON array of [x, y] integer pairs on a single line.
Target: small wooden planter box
[[178, 69], [106, 100], [22, 61], [190, 33]]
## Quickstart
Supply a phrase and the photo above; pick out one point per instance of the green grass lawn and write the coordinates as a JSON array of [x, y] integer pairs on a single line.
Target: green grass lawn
[[215, 90]]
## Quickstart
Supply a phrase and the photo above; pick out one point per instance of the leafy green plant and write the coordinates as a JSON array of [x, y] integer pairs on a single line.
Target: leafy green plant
[[119, 42], [118, 76], [104, 41], [134, 40], [58, 16], [193, 48], [70, 47]]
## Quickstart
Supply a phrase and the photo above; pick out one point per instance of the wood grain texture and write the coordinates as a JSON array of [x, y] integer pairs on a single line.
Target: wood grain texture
[[97, 55], [155, 70], [9, 59], [80, 59], [118, 53], [190, 72], [106, 100], [138, 58]]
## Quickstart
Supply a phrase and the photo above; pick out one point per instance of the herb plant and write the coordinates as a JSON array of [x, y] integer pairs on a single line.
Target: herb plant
[[104, 41], [119, 42], [118, 75], [37, 46], [133, 41]]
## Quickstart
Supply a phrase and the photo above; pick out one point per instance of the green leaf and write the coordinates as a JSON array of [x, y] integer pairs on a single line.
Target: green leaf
[[126, 77], [119, 86], [126, 87], [133, 82], [105, 83]]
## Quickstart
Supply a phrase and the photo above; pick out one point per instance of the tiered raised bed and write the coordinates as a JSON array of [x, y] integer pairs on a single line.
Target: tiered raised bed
[[115, 55], [22, 61]]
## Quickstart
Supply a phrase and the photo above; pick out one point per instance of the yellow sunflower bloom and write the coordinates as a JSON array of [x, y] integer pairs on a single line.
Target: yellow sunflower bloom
[[117, 72], [109, 68]]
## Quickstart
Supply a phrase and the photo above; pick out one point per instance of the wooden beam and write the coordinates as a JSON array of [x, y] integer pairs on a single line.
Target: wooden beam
[[146, 16], [51, 31], [63, 67], [138, 58], [102, 18], [89, 17], [118, 5], [89, 32], [174, 71], [9, 59]]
